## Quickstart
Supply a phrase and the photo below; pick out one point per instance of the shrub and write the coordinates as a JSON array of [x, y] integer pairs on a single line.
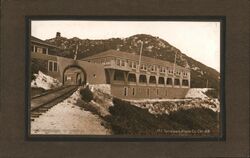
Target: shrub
[[34, 69], [131, 120], [212, 93], [37, 65], [86, 94]]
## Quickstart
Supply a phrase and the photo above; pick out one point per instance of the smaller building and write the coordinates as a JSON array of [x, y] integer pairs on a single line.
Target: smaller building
[[46, 58], [39, 46]]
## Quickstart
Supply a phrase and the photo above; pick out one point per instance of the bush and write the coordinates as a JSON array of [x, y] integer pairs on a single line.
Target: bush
[[37, 65], [34, 69], [212, 93], [86, 94], [131, 120]]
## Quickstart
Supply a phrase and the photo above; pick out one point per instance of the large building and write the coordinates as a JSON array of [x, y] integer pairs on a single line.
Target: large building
[[130, 76]]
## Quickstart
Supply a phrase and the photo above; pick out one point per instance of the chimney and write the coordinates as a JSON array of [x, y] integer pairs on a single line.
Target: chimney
[[58, 35]]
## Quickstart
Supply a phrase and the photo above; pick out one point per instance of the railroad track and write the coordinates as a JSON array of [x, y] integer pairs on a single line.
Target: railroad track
[[43, 102]]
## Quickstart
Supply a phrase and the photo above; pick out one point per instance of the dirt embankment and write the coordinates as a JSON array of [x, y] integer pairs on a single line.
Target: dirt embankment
[[193, 116]]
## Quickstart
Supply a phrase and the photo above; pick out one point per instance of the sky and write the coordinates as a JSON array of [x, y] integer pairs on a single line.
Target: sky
[[199, 40]]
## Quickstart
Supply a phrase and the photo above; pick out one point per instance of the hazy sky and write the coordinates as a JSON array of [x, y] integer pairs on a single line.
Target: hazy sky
[[199, 40]]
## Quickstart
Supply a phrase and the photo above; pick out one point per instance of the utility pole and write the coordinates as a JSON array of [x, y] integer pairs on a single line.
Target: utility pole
[[140, 55], [75, 56], [174, 62]]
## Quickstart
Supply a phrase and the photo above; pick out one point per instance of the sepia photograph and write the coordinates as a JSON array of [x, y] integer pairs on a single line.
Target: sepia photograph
[[124, 78]]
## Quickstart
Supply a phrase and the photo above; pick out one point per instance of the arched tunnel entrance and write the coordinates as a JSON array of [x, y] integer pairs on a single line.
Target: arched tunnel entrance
[[74, 75]]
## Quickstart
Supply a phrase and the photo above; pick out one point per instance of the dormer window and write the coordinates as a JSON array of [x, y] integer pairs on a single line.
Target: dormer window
[[118, 62], [134, 65], [122, 63], [130, 64]]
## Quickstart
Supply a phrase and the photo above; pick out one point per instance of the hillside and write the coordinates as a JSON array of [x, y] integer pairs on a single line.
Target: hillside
[[154, 47]]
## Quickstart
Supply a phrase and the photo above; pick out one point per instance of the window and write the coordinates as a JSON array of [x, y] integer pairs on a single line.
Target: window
[[119, 76], [118, 62], [162, 69], [44, 51], [55, 66], [131, 77], [152, 79], [177, 81], [161, 80], [170, 71], [52, 66], [134, 65], [122, 63], [143, 67], [39, 50], [152, 68], [133, 91], [35, 48], [157, 91], [166, 92], [185, 82], [125, 91], [148, 91], [130, 64], [185, 73], [142, 79], [169, 81]]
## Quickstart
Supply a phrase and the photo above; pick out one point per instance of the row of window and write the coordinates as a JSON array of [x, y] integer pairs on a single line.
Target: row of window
[[126, 91], [38, 49], [147, 67], [143, 67], [119, 76], [120, 62]]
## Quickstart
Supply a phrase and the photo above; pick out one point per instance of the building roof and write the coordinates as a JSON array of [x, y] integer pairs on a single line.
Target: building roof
[[131, 56], [42, 42]]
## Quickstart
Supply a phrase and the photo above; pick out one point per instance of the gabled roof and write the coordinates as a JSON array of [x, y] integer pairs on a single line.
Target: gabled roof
[[130, 56], [42, 42]]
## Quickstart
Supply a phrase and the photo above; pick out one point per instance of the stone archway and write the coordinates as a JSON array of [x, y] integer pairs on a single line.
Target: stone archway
[[78, 73]]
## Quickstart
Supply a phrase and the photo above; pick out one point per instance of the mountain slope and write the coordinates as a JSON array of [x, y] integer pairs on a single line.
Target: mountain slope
[[154, 47]]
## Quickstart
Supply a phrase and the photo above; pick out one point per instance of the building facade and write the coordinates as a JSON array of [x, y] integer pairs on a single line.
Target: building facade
[[44, 57], [130, 76], [133, 77]]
